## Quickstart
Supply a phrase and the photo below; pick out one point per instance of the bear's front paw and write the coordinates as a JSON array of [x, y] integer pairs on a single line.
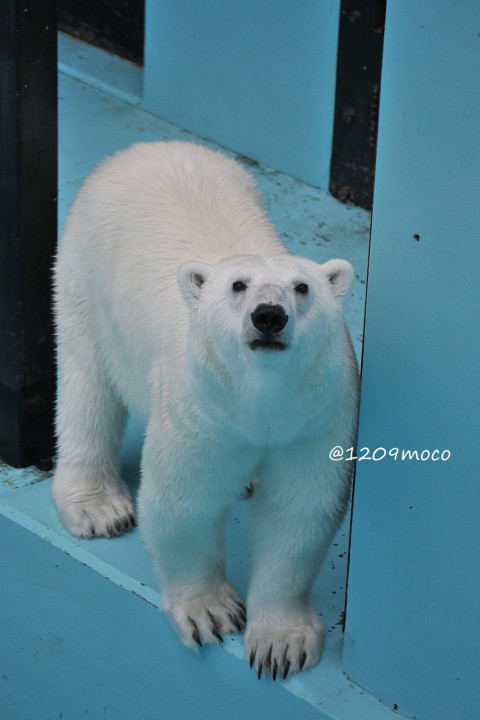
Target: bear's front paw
[[201, 617], [279, 648], [90, 508]]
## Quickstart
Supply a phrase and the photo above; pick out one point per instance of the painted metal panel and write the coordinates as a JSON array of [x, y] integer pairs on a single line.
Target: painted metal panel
[[257, 77], [412, 633]]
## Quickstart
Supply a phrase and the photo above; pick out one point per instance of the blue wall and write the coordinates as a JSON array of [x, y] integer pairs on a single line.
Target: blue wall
[[412, 634], [256, 76]]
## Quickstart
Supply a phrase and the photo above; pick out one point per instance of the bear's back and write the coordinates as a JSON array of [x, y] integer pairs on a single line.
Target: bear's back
[[182, 201], [137, 218]]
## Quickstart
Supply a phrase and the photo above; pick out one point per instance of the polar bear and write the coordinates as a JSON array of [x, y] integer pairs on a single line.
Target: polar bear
[[176, 300]]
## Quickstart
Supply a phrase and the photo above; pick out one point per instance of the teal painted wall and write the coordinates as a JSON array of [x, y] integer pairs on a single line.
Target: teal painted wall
[[412, 633], [256, 76]]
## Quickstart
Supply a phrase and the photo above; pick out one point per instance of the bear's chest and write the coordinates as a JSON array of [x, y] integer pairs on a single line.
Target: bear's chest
[[265, 412]]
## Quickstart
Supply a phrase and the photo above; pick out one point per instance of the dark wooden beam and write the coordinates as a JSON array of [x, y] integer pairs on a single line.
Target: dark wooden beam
[[28, 228], [360, 50], [114, 25]]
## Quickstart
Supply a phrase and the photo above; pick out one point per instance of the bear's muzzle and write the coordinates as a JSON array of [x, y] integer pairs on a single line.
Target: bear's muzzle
[[269, 320]]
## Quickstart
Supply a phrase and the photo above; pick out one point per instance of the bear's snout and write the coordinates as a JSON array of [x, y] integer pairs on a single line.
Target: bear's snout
[[269, 319]]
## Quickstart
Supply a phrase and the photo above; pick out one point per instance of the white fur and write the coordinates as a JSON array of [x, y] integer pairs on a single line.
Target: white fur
[[177, 352]]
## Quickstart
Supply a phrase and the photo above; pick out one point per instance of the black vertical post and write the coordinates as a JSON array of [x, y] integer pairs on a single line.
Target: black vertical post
[[359, 65], [28, 228]]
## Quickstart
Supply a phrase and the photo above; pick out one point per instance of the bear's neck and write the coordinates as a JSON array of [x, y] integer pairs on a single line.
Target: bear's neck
[[269, 400]]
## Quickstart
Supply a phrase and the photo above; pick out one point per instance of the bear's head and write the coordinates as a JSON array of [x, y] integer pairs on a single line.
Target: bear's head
[[256, 307]]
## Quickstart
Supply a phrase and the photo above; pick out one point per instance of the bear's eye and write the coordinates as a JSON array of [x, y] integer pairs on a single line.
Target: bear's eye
[[302, 288], [238, 286]]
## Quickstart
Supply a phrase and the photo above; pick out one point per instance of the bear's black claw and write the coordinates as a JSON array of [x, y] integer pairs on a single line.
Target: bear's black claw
[[260, 668], [195, 632], [274, 670], [216, 634], [252, 658], [286, 668], [214, 628], [303, 660], [268, 659], [235, 622], [241, 607], [196, 637], [243, 615]]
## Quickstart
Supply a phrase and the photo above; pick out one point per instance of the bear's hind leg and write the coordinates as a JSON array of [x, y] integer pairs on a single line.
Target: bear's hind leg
[[90, 496]]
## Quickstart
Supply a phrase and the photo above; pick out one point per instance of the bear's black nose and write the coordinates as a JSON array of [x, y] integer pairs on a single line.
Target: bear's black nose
[[269, 319]]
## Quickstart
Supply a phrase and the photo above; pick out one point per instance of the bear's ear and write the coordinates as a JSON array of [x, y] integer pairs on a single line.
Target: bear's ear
[[339, 275], [191, 276]]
